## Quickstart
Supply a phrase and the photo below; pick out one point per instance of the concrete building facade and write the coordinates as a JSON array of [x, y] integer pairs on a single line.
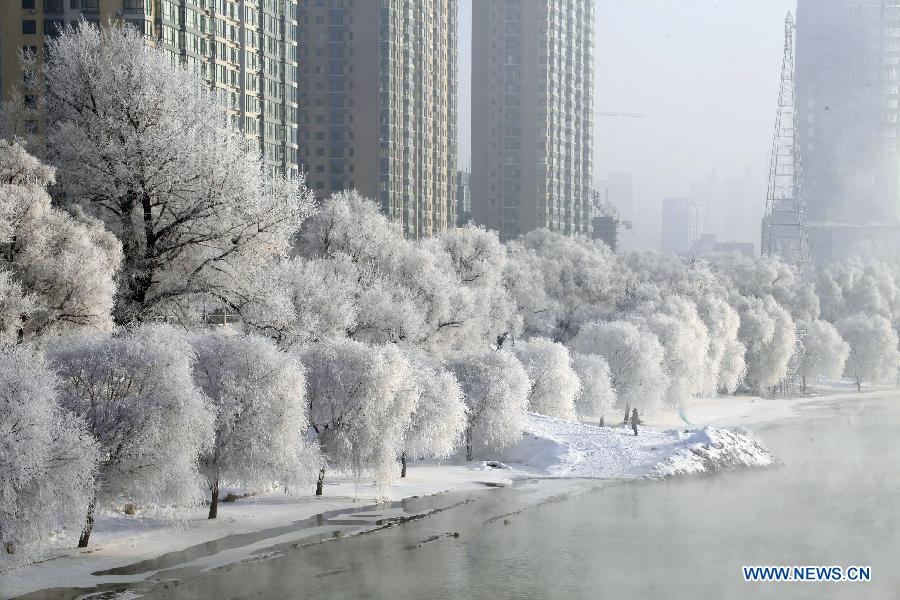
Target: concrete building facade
[[463, 197], [848, 109], [682, 225], [532, 107], [377, 105], [244, 49]]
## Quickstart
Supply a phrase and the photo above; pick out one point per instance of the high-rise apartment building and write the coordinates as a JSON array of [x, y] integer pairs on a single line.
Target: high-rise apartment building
[[682, 225], [463, 197], [378, 105], [848, 110], [532, 107], [244, 49]]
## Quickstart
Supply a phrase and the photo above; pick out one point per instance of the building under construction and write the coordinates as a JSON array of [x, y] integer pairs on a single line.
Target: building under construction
[[847, 96]]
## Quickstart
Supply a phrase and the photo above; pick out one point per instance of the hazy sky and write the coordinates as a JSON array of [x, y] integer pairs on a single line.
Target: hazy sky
[[705, 73]]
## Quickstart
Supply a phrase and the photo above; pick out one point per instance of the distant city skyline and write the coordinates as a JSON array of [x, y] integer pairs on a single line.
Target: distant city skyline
[[705, 75]]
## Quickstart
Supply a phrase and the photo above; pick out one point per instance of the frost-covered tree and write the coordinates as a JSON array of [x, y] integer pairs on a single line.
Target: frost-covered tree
[[685, 341], [56, 271], [635, 359], [146, 147], [769, 334], [831, 284], [495, 386], [400, 291], [873, 347], [136, 394], [257, 393], [597, 395], [361, 399], [725, 365], [438, 422], [651, 277], [770, 276], [824, 351], [309, 301], [47, 460], [579, 277], [851, 287], [526, 289], [479, 262], [554, 384], [347, 223]]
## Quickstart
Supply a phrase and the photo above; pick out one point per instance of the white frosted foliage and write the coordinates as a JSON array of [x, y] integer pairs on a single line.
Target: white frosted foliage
[[554, 383], [258, 395], [596, 397], [147, 148], [361, 399], [769, 334], [495, 386], [56, 270], [47, 461], [136, 394], [873, 347], [824, 351], [635, 358], [685, 341], [438, 423]]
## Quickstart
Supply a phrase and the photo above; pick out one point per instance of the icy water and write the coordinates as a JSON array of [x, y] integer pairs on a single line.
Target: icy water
[[835, 501]]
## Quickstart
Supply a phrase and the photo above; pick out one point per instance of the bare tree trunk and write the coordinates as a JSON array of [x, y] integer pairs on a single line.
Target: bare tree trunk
[[468, 444], [601, 422], [88, 526], [803, 384], [403, 464], [627, 411], [858, 383], [214, 500], [320, 482], [20, 333]]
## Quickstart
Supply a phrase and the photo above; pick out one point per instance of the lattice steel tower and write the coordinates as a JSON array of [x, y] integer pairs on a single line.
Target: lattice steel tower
[[784, 226]]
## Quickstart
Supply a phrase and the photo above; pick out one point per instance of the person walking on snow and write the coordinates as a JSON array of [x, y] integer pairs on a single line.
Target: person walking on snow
[[634, 420]]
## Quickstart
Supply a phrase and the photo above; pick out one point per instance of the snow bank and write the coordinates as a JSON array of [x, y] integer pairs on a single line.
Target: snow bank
[[549, 448], [555, 448], [712, 449]]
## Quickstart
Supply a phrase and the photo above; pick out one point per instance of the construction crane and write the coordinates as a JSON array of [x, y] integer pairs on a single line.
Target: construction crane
[[623, 115], [784, 226]]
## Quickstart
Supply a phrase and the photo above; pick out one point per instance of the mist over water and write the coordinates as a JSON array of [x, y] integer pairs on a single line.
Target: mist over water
[[832, 502]]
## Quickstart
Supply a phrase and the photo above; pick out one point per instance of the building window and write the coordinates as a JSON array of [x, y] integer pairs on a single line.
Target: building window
[[28, 4], [29, 27], [53, 6], [53, 27]]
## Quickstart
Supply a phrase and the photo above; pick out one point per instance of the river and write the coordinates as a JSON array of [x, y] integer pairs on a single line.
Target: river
[[835, 500]]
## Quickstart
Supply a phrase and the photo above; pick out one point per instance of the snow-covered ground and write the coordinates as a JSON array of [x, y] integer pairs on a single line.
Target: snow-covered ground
[[549, 448], [120, 540], [746, 410], [556, 448]]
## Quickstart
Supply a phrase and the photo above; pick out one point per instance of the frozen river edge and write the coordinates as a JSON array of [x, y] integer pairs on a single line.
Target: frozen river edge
[[549, 449]]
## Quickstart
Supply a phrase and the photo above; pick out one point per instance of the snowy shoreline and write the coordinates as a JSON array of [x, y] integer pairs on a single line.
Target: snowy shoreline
[[550, 448]]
